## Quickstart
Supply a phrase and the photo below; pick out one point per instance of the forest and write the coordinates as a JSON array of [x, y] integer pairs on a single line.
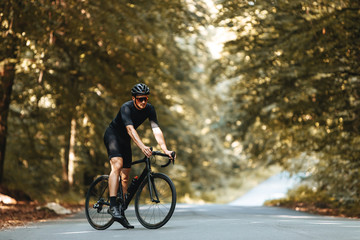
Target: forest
[[240, 88]]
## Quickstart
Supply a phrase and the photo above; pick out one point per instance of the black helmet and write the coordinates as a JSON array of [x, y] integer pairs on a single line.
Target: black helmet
[[140, 89]]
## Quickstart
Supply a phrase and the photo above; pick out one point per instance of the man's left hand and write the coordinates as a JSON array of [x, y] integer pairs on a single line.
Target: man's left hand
[[167, 152]]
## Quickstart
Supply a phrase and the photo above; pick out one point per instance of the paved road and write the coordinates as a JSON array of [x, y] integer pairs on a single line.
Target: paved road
[[202, 222], [274, 187]]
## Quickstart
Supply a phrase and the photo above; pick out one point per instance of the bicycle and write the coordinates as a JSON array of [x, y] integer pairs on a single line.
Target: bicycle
[[155, 198]]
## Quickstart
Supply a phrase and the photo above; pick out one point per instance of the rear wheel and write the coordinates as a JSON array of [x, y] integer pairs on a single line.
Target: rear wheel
[[97, 204], [155, 212]]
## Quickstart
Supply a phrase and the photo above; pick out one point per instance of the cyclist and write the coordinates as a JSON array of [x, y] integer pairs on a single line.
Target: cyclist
[[117, 141]]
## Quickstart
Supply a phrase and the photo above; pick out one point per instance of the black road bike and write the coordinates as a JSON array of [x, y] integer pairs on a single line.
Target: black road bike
[[155, 197]]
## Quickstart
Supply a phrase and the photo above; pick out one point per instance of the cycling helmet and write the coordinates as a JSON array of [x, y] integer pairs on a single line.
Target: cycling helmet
[[140, 89]]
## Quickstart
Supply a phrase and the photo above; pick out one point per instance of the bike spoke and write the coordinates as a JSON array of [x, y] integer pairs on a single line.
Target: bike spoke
[[154, 214], [97, 204]]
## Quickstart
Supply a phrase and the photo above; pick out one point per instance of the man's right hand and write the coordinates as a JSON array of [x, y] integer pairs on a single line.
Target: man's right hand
[[147, 151], [135, 137]]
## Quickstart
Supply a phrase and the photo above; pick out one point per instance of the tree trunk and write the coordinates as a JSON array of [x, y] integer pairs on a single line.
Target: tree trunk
[[68, 155], [71, 165], [64, 163], [7, 75], [65, 155]]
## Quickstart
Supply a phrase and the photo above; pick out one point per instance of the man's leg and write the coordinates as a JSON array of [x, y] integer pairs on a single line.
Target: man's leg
[[124, 182], [116, 169], [116, 166], [125, 172]]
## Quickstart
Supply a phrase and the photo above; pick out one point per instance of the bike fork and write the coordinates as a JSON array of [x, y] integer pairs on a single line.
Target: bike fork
[[152, 189]]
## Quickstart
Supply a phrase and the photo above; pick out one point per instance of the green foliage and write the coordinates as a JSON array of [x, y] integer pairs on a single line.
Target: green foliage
[[296, 68], [78, 61], [293, 97]]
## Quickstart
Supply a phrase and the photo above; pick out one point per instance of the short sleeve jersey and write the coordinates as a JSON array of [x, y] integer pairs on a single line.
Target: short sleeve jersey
[[130, 115]]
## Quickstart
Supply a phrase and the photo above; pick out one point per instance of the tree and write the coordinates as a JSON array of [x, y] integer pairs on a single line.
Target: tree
[[7, 73], [12, 22], [75, 65], [297, 69]]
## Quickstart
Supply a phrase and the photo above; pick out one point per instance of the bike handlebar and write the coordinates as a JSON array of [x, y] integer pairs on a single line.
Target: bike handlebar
[[158, 153]]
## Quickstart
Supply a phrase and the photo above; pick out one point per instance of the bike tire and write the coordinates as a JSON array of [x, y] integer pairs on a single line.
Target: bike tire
[[154, 215], [97, 204]]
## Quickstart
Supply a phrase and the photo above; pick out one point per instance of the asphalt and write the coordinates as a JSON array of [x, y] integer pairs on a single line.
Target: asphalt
[[201, 222]]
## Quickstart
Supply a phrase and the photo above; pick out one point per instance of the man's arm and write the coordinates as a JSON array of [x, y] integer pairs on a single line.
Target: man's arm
[[135, 137], [159, 136]]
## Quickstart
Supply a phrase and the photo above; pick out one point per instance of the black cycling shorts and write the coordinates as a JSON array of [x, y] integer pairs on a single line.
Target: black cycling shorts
[[118, 146]]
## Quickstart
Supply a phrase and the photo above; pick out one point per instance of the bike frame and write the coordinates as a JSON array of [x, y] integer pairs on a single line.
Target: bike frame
[[146, 173]]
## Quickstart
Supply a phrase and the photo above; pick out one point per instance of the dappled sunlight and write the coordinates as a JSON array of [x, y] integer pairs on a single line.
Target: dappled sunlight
[[47, 102], [239, 87]]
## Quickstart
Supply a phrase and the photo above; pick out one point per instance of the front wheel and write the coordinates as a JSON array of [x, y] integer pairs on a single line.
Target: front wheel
[[155, 203], [97, 204]]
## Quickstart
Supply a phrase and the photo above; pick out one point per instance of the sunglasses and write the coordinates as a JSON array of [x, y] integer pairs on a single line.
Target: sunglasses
[[142, 99]]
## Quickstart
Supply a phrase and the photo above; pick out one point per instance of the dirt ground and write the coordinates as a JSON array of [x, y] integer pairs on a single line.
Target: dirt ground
[[20, 214]]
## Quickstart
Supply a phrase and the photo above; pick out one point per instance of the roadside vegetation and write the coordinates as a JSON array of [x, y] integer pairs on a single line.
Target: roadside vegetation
[[296, 74], [306, 199], [283, 94]]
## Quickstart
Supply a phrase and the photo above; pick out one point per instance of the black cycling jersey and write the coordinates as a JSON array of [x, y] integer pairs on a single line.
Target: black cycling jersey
[[116, 138], [130, 115]]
